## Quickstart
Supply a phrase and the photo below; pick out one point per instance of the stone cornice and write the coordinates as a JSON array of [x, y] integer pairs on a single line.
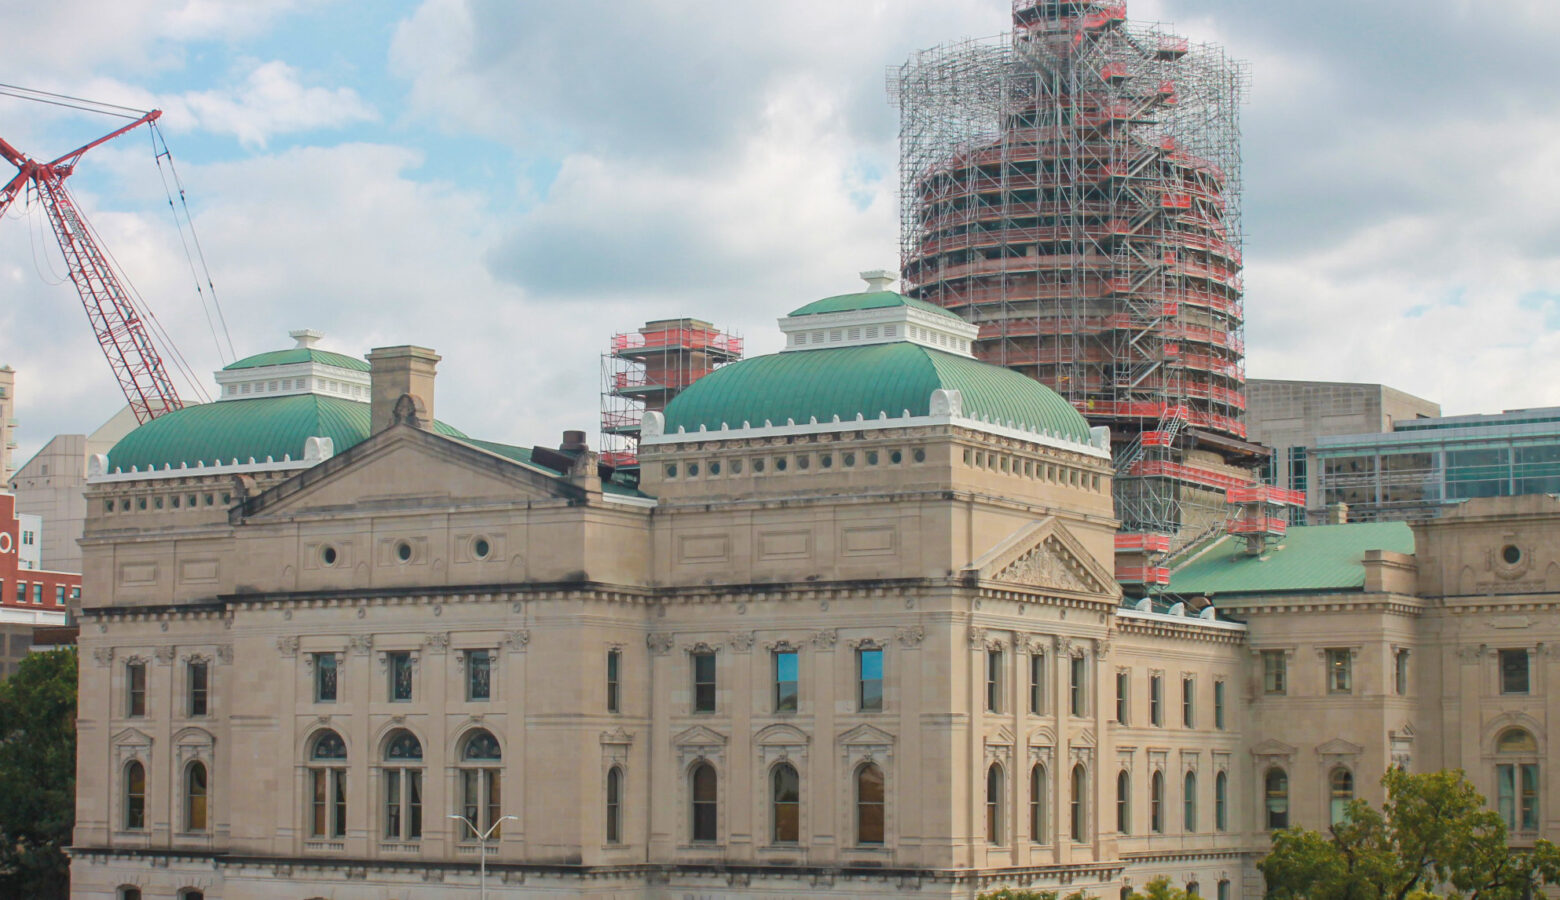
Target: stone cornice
[[1314, 602]]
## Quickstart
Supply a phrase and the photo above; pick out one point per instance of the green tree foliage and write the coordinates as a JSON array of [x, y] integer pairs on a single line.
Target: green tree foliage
[[1434, 838], [37, 775], [1011, 894], [1161, 889]]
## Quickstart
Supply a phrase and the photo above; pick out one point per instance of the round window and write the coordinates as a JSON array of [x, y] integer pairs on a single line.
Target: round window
[[918, 455], [671, 471], [826, 461], [480, 548], [403, 551], [736, 467], [803, 462], [758, 465], [872, 458], [693, 469], [1511, 553], [849, 459], [714, 468], [328, 556], [896, 457], [780, 464]]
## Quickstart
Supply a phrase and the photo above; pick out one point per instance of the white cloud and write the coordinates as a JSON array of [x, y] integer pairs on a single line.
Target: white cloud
[[272, 101]]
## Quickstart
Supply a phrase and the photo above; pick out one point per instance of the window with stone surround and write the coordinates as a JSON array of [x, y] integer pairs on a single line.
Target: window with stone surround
[[481, 782], [1514, 671], [703, 663], [1275, 672], [135, 689], [1340, 671]]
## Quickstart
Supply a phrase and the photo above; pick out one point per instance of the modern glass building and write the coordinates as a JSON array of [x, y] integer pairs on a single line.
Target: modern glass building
[[1421, 465]]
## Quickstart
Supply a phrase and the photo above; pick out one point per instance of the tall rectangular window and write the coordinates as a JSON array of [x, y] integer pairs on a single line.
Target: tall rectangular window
[[198, 681], [398, 666], [325, 678], [1156, 700], [38, 593], [135, 689], [703, 682], [59, 595], [479, 675], [993, 681], [1188, 703], [1516, 790], [1218, 705], [21, 592], [869, 680], [1078, 686], [1123, 693], [1513, 671], [614, 681], [786, 671], [1275, 672], [1340, 671], [1037, 683], [1400, 672]]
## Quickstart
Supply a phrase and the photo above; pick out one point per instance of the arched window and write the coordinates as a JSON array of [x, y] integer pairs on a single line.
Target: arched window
[[1516, 779], [615, 805], [1192, 889], [786, 804], [1276, 788], [192, 894], [1340, 790], [994, 804], [1156, 803], [702, 788], [1221, 801], [1080, 788], [1189, 804], [869, 804], [1123, 802], [135, 796], [328, 786], [402, 778], [1037, 792], [481, 782], [1125, 893], [128, 892], [195, 797]]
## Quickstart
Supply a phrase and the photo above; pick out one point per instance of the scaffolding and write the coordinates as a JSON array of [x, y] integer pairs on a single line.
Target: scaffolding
[[643, 370], [1073, 188]]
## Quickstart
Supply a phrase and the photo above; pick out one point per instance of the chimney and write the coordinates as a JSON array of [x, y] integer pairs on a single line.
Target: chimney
[[396, 372], [1338, 513]]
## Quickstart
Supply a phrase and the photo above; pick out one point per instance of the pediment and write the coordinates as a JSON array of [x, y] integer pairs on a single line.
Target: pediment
[[404, 466], [1339, 747], [1042, 737], [1044, 554], [865, 734], [1003, 736], [781, 734], [132, 737], [1271, 747], [617, 736], [1084, 738], [699, 736], [193, 735]]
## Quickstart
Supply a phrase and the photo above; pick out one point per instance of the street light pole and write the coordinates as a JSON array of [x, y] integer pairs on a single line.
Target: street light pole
[[482, 838]]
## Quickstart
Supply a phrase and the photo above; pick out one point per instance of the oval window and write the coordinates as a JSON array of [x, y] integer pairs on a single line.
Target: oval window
[[480, 548], [328, 556], [403, 551], [1511, 553]]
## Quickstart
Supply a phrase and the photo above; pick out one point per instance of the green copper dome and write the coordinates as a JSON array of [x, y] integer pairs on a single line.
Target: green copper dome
[[218, 433], [869, 380], [869, 300], [293, 355]]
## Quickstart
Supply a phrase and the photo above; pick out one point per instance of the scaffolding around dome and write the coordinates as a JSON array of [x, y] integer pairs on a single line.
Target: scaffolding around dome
[[1073, 188]]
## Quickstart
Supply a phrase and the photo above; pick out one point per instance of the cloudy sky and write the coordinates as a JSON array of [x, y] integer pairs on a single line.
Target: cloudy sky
[[511, 182]]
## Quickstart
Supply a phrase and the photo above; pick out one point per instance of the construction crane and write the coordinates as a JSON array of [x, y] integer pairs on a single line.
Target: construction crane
[[116, 320]]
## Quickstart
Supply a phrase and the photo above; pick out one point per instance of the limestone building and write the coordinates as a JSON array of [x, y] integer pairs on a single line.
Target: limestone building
[[52, 486], [854, 633]]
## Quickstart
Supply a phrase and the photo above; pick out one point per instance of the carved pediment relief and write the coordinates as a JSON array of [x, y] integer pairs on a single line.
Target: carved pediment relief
[[781, 734], [1272, 748], [131, 743], [865, 743], [1045, 554], [1339, 747], [699, 742], [1084, 738]]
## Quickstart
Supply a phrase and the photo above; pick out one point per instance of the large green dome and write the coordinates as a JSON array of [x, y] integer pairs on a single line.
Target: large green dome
[[260, 427], [871, 380]]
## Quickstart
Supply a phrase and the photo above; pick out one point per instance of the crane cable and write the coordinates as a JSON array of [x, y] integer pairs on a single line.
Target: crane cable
[[221, 319]]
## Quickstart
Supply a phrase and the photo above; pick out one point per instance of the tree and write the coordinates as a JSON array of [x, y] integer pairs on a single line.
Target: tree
[[1013, 894], [37, 774], [1434, 838], [1160, 889]]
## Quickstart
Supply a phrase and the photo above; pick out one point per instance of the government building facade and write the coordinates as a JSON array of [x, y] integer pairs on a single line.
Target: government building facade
[[854, 632]]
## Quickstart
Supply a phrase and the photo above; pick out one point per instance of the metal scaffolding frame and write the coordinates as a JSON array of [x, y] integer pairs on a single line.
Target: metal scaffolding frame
[[1073, 188], [644, 369]]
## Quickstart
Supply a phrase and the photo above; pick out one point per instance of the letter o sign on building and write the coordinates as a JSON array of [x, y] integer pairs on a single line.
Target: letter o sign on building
[[7, 543]]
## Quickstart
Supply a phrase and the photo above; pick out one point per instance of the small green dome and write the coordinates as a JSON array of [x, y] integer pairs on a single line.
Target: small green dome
[[218, 433], [870, 380], [869, 300], [294, 355]]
